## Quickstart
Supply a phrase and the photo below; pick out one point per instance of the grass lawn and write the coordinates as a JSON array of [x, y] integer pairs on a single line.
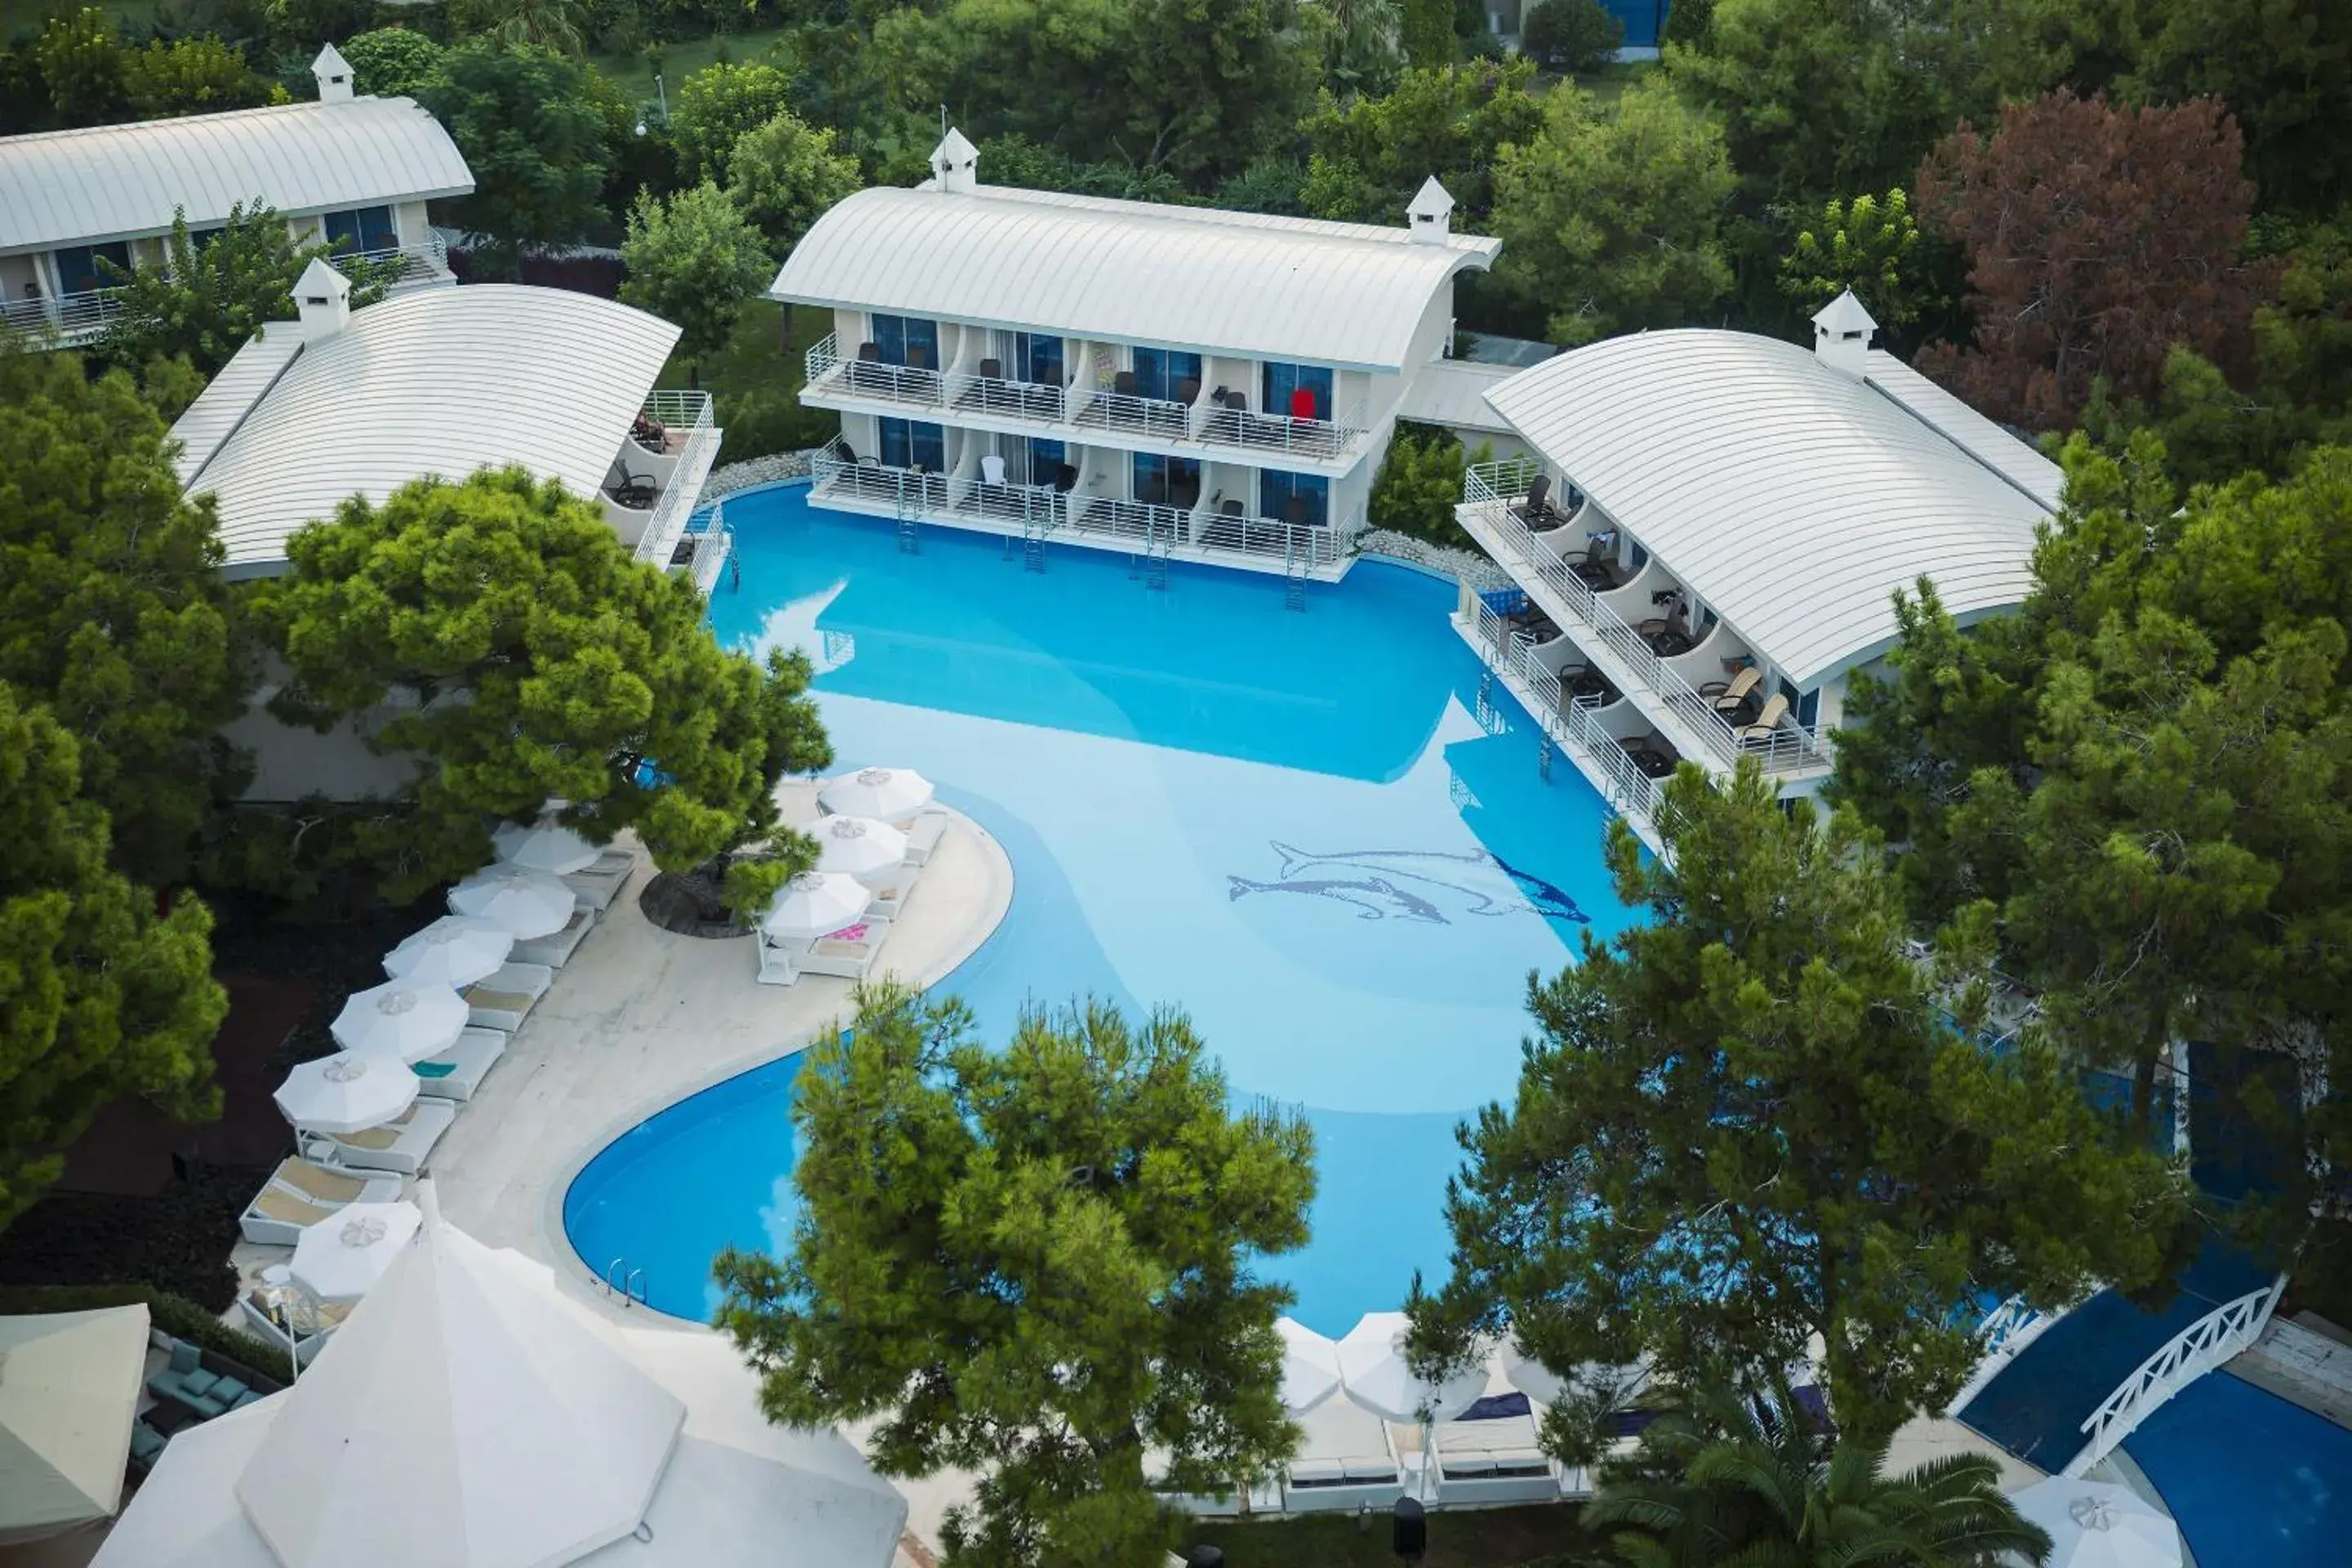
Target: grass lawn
[[684, 58], [755, 380], [1541, 1536]]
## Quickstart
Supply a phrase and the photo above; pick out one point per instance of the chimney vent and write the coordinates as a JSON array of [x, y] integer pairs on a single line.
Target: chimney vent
[[1841, 336], [955, 163], [1432, 213], [334, 74], [323, 298]]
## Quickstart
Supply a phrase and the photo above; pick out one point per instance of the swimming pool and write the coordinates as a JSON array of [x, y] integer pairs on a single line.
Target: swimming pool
[[2253, 1481], [1307, 830]]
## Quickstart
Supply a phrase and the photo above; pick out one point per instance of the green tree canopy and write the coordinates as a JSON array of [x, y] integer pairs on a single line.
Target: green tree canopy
[[531, 127], [1035, 1262], [112, 613], [1609, 216], [392, 63], [717, 108], [695, 261], [1747, 1476], [80, 57], [1367, 156], [1869, 244], [1749, 1120], [2284, 69], [189, 76], [1420, 483], [541, 662], [784, 174], [99, 996], [1577, 35], [209, 295]]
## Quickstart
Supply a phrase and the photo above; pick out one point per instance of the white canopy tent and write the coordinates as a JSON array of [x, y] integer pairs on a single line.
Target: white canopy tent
[[456, 949], [1371, 1360], [347, 1091], [1310, 1365], [470, 1415], [68, 1393], [2096, 1524], [544, 845]]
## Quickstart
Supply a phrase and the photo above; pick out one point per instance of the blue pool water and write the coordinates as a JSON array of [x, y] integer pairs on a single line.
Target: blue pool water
[[1301, 828], [2253, 1482]]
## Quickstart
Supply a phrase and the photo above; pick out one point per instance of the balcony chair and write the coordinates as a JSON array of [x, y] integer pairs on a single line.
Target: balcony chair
[[1651, 755], [1228, 508], [1595, 570], [1184, 494], [1294, 512], [636, 492], [1538, 507], [870, 353], [1760, 733], [1302, 403], [1123, 384], [1736, 696], [991, 370], [1188, 391], [650, 432], [1066, 478]]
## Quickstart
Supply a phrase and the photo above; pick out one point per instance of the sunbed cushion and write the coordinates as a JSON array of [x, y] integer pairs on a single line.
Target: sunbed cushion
[[186, 1358], [499, 1001], [250, 1396], [432, 1069], [1313, 1472], [145, 1442], [1378, 1468], [199, 1383], [228, 1390], [832, 948], [1469, 1465], [316, 1183], [370, 1138]]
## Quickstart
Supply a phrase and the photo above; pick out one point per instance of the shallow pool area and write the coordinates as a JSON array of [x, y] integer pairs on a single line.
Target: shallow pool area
[[1307, 830]]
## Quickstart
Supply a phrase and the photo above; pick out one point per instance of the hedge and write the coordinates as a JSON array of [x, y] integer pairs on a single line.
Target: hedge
[[175, 1315]]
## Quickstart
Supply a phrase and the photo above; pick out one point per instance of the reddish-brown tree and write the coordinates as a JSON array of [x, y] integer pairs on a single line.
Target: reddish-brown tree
[[2097, 238]]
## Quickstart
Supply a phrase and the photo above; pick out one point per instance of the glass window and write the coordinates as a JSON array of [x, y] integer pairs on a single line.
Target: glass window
[[1031, 461], [1298, 391], [908, 340], [1162, 373], [1167, 482], [1809, 708], [361, 229], [77, 268], [1037, 358], [1294, 498], [912, 444]]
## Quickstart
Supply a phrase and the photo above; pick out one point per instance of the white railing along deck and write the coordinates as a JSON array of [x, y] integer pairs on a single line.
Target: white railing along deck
[[1147, 522], [686, 418], [74, 318], [1251, 535], [995, 397], [425, 262], [826, 370], [2197, 1349], [1129, 415], [1573, 721], [1317, 440], [1490, 492]]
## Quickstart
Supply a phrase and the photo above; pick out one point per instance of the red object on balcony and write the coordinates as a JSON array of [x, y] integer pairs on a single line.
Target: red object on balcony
[[1302, 403]]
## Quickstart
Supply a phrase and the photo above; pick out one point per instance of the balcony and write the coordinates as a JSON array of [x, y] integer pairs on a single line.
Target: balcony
[[1042, 511], [1231, 425], [1581, 594], [422, 265], [911, 386], [73, 319], [654, 482]]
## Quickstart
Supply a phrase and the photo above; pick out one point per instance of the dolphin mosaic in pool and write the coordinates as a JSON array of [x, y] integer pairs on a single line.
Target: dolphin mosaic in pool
[[1478, 883], [1378, 898]]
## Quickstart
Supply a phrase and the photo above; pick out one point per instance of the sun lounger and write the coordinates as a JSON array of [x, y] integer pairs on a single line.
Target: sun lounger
[[399, 1146], [467, 1064], [601, 883], [552, 949], [830, 955], [315, 1324], [1730, 696], [1760, 733], [299, 1194], [1345, 1462], [1492, 1461], [924, 837], [891, 896], [501, 1001]]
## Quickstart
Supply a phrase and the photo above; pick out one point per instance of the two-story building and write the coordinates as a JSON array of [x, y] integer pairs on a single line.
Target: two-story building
[[1709, 534], [354, 172], [1175, 382]]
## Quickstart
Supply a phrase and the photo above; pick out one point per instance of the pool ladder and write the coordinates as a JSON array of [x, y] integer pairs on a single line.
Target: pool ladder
[[1294, 565], [910, 542], [626, 1282]]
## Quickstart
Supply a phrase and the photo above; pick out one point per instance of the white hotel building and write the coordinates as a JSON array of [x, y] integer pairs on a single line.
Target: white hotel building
[[1709, 534], [1173, 382], [348, 170]]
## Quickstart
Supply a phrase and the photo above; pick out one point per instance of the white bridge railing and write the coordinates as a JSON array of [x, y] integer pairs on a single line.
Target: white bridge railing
[[1489, 493], [2197, 1349], [2005, 1332]]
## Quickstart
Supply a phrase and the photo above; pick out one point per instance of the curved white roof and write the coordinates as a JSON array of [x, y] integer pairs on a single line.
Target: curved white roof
[[1190, 278], [1792, 498], [113, 182], [440, 380]]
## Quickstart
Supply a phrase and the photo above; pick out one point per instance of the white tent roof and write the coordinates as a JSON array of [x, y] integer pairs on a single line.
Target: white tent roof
[[437, 380], [459, 1417], [113, 182], [68, 1393], [1792, 498], [1192, 278]]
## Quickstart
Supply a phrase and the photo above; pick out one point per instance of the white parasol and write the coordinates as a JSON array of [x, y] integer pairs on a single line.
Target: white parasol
[[1310, 1365], [544, 845], [527, 903], [347, 1091], [405, 1018], [2092, 1524], [858, 846], [456, 949], [1371, 1360], [891, 794], [814, 903], [340, 1257]]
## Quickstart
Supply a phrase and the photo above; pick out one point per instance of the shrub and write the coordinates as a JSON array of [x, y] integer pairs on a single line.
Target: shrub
[[175, 1315], [1574, 35], [1418, 482]]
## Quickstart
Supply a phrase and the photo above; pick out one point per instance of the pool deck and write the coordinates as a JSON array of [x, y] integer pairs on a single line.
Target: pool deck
[[642, 1017]]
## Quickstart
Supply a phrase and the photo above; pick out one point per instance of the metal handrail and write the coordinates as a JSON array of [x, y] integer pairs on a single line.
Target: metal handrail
[[69, 315], [1571, 720], [1786, 748], [1275, 432], [430, 257], [1043, 401], [666, 524], [1125, 412], [675, 409], [832, 467], [2188, 1356], [1144, 520], [1254, 535]]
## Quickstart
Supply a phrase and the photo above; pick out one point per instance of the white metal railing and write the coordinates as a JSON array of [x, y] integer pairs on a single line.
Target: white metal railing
[[1315, 440], [1252, 535], [2197, 1349], [1129, 415], [684, 420], [74, 318], [826, 370], [1489, 501], [2005, 1332], [1148, 523], [835, 474], [996, 397], [1574, 721], [427, 261]]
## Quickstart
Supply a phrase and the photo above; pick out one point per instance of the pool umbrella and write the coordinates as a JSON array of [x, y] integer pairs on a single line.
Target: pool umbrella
[[340, 1257], [1545, 1386], [891, 794], [403, 1018], [347, 1091], [1371, 1360], [2095, 1525], [527, 903], [858, 846], [456, 949], [1310, 1365], [814, 903], [544, 845]]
